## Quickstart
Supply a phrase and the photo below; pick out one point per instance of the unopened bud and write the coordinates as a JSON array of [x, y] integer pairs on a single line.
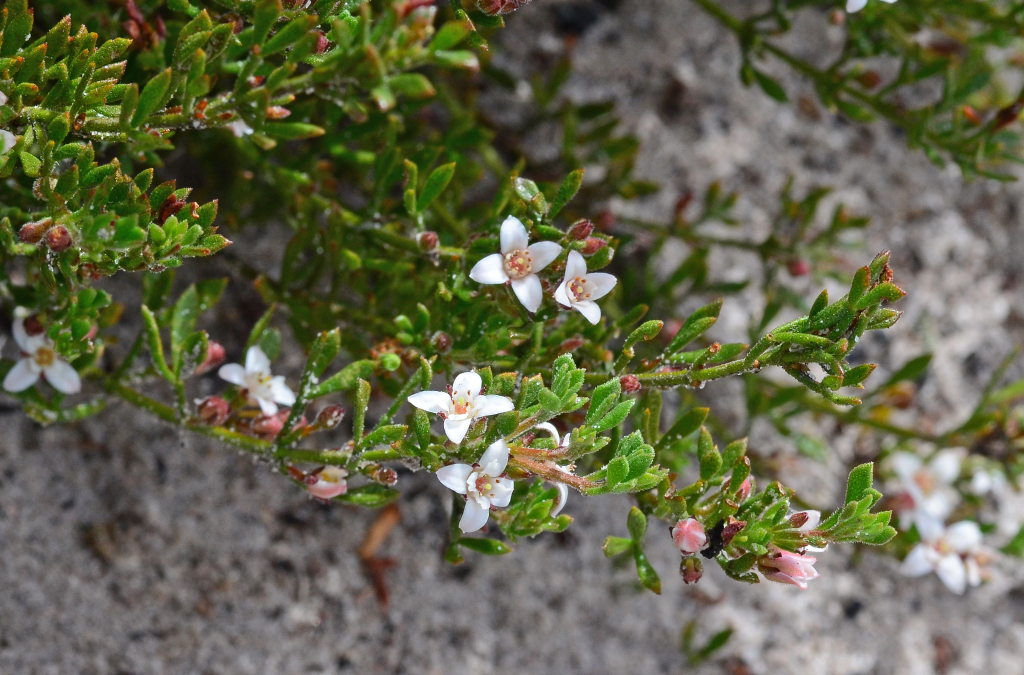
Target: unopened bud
[[797, 520], [427, 241], [571, 345], [442, 342], [580, 230], [593, 245], [869, 79], [630, 384], [744, 491], [605, 220], [33, 326], [269, 426], [798, 267], [385, 476], [58, 239], [214, 411], [691, 569], [322, 43], [32, 233], [329, 417], [215, 355], [277, 112], [731, 530], [838, 17]]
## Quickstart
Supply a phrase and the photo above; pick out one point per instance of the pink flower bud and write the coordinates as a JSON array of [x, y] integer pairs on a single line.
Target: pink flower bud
[[744, 491], [215, 355], [427, 241], [798, 267], [32, 233], [442, 342], [689, 536], [214, 411], [385, 476], [580, 230], [277, 112], [691, 570], [786, 567], [322, 43], [329, 417], [269, 426], [593, 245], [630, 384], [330, 482], [58, 239]]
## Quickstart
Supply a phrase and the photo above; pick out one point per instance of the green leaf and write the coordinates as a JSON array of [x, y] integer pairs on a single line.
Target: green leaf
[[688, 423], [616, 545], [636, 523], [183, 322], [345, 379], [566, 191], [861, 284], [371, 496], [911, 370], [771, 87], [859, 482], [614, 418], [152, 97], [156, 346], [648, 576], [451, 34], [710, 458], [325, 349], [603, 400], [291, 131], [385, 435], [413, 85], [437, 181], [290, 34], [485, 546]]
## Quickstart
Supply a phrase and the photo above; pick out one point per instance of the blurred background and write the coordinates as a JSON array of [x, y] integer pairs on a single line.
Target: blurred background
[[128, 548]]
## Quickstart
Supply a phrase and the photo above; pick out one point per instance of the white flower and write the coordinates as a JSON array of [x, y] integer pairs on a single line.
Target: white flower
[[482, 483], [3, 98], [956, 556], [857, 5], [563, 489], [928, 490], [7, 141], [518, 263], [812, 522], [464, 403], [579, 290], [38, 358], [261, 387], [239, 128], [330, 482]]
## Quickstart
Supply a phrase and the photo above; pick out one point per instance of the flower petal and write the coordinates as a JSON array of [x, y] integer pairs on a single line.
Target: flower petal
[[904, 465], [600, 284], [561, 297], [513, 235], [550, 428], [20, 336], [492, 405], [918, 562], [325, 489], [432, 401], [456, 429], [21, 376], [256, 361], [501, 492], [266, 405], [63, 377], [233, 373], [813, 520], [490, 270], [563, 497], [543, 253], [529, 291], [964, 536], [952, 572], [454, 476], [946, 465], [497, 452], [575, 266], [474, 517], [281, 392], [591, 310], [855, 5], [468, 384]]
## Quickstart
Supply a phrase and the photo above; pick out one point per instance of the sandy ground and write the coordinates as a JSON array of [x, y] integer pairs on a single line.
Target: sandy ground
[[127, 548]]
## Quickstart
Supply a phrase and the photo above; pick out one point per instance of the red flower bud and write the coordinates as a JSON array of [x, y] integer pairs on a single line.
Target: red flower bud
[[744, 491], [593, 245], [322, 43], [329, 417], [798, 267], [269, 426], [630, 384], [580, 230], [731, 530], [442, 342], [427, 241], [214, 411], [33, 326], [58, 239], [32, 233], [691, 569], [215, 355], [385, 476], [493, 7], [277, 112], [797, 520]]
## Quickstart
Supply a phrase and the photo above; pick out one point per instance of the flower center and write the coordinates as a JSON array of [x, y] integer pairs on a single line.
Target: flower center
[[332, 474], [518, 264], [925, 481], [578, 289], [483, 484], [44, 357], [460, 405]]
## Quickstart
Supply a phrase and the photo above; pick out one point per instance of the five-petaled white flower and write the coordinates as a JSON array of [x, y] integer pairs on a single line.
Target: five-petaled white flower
[[262, 388], [563, 489], [463, 403], [928, 495], [956, 556], [857, 5], [518, 263], [38, 358], [579, 289], [482, 483]]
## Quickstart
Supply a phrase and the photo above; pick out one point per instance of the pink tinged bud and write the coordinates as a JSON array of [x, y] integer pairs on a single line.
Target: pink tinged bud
[[277, 112], [593, 245], [322, 43], [427, 241], [630, 384], [32, 233], [385, 476], [269, 426], [787, 567], [798, 267], [330, 417], [580, 230], [797, 520], [744, 491], [442, 342], [58, 239], [215, 356], [214, 411], [689, 536], [691, 570]]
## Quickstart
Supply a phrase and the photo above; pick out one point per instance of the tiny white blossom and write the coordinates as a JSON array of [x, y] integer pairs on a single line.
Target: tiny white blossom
[[518, 263], [857, 5], [464, 403], [563, 489], [239, 128], [579, 289], [482, 483], [38, 359], [928, 494], [7, 141], [955, 555], [812, 522], [262, 388]]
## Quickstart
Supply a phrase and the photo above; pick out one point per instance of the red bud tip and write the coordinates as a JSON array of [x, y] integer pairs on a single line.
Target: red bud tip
[[691, 569], [214, 411], [593, 245], [32, 233], [630, 384], [58, 239], [798, 267], [442, 342], [330, 417], [580, 230], [427, 241], [215, 355]]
